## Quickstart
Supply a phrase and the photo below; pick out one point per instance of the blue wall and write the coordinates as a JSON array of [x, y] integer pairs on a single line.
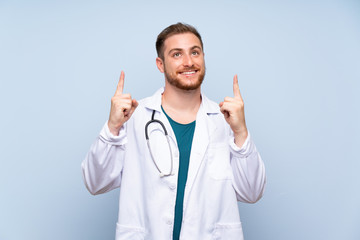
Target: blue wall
[[299, 70]]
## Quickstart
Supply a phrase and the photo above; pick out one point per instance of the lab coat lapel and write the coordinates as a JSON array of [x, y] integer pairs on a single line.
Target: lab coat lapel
[[154, 103], [203, 130]]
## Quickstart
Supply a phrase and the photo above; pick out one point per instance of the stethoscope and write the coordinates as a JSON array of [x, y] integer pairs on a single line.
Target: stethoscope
[[148, 144]]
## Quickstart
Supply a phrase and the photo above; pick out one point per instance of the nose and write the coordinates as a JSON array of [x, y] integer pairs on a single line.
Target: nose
[[188, 61]]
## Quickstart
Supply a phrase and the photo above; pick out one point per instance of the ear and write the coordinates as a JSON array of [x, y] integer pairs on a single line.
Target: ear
[[160, 64]]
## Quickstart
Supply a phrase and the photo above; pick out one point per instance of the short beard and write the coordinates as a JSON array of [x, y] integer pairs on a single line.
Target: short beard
[[173, 80]]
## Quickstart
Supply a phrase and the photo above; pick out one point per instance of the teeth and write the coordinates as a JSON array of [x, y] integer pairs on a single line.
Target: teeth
[[189, 72]]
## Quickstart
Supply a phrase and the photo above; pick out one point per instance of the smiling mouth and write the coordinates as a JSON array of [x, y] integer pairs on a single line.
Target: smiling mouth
[[192, 72]]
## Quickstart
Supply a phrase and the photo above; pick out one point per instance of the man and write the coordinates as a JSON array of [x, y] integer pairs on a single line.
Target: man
[[185, 180]]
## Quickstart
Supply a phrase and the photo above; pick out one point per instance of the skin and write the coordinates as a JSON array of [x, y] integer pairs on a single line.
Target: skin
[[182, 95], [122, 107], [184, 69], [233, 110], [182, 53]]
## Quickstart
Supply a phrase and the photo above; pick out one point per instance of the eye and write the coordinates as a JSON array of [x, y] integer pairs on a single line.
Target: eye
[[195, 53], [177, 54]]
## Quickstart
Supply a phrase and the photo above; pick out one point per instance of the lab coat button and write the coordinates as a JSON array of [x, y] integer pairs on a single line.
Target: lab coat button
[[169, 222]]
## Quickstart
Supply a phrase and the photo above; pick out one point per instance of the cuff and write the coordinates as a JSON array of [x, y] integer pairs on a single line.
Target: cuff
[[245, 149], [108, 137]]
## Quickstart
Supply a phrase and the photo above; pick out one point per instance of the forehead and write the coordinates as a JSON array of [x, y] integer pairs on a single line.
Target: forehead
[[182, 40]]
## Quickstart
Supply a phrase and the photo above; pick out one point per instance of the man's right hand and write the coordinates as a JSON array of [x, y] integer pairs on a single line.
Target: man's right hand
[[122, 107]]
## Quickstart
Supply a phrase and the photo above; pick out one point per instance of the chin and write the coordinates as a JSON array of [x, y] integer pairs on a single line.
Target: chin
[[193, 85], [181, 83]]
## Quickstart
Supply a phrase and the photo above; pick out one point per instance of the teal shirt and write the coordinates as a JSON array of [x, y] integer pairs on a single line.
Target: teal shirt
[[184, 134]]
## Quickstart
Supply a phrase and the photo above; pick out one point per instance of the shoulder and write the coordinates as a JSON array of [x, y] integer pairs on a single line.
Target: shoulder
[[141, 108], [145, 101], [212, 110], [153, 101], [209, 105], [148, 104]]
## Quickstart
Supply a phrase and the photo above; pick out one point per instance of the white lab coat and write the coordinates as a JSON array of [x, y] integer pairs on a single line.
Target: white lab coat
[[219, 175]]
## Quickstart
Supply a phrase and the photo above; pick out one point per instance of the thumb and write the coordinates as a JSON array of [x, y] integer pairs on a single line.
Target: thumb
[[134, 103]]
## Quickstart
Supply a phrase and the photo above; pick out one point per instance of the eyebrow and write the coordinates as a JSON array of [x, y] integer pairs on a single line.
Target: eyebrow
[[180, 49]]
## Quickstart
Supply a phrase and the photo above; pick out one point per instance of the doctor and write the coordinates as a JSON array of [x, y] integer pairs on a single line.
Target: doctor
[[199, 160]]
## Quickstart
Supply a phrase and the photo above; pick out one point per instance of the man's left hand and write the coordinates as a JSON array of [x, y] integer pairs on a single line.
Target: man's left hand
[[233, 110]]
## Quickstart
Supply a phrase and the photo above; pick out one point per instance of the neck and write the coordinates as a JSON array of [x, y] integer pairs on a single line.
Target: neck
[[181, 105]]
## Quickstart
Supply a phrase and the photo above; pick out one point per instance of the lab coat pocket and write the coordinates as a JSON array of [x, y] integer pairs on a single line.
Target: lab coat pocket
[[219, 161], [124, 232], [228, 231]]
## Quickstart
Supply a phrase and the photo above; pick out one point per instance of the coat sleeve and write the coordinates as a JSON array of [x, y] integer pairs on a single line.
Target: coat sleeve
[[103, 164], [248, 170]]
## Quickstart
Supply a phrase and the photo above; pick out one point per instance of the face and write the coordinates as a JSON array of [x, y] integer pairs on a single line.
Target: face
[[183, 64]]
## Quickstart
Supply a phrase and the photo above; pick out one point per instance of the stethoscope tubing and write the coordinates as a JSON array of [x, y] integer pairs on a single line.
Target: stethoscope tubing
[[168, 141]]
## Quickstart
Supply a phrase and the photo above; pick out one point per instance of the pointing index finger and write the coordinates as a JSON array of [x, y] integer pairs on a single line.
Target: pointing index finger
[[236, 88], [120, 86]]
